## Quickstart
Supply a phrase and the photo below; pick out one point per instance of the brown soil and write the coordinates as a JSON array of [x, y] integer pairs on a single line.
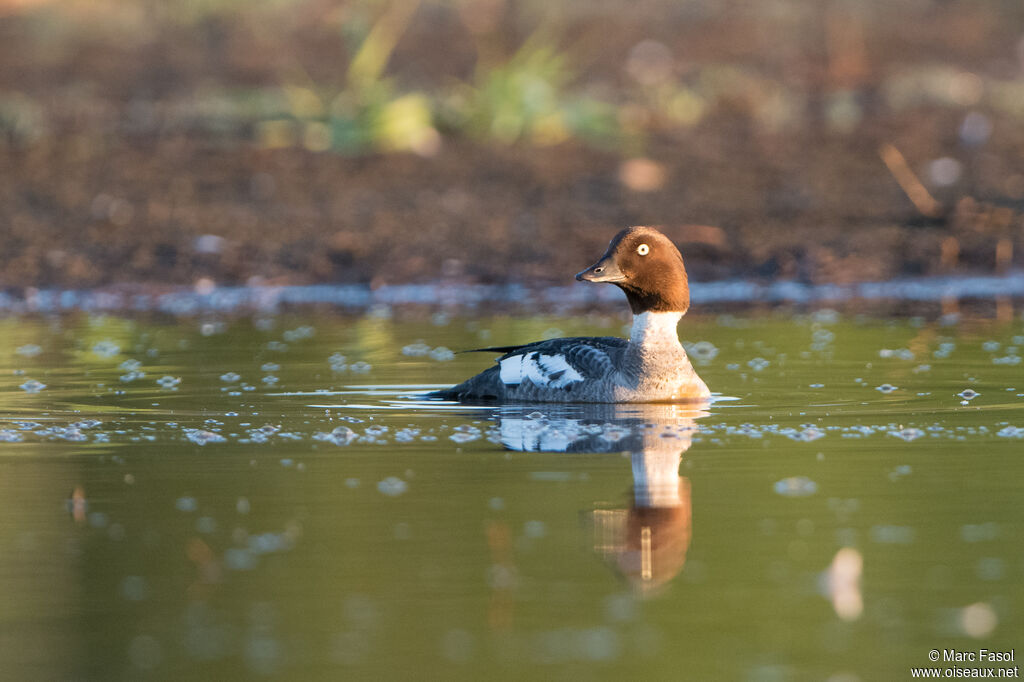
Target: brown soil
[[99, 199]]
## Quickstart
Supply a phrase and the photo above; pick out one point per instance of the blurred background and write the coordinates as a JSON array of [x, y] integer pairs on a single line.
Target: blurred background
[[161, 142]]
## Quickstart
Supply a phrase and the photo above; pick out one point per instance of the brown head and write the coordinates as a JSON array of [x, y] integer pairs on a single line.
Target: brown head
[[648, 267]]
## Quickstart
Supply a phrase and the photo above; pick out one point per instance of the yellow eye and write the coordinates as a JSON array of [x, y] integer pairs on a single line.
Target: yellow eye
[[643, 249]]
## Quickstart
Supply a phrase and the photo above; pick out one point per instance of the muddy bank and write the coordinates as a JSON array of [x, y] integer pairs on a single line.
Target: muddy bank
[[81, 213], [131, 149]]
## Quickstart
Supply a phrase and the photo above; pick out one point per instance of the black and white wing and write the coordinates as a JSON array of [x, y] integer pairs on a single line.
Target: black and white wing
[[557, 363], [542, 371]]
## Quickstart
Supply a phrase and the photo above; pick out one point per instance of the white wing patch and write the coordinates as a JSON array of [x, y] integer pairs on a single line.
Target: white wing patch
[[512, 370], [548, 371]]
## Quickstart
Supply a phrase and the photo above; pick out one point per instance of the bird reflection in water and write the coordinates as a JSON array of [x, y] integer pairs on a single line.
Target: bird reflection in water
[[645, 542]]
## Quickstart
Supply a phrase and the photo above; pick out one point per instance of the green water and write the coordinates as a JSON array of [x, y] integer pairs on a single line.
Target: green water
[[214, 528]]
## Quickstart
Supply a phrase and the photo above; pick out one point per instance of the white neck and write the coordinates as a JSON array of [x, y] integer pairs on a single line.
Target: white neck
[[655, 329]]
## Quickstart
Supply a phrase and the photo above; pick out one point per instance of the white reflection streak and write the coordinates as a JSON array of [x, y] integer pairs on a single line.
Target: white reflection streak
[[843, 583]]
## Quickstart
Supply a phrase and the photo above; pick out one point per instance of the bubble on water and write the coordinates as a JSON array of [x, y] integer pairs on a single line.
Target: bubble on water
[[807, 435], [415, 350], [908, 434], [270, 380], [203, 437], [299, 333], [822, 337], [270, 367], [442, 354], [496, 503], [980, 532], [921, 368], [796, 486], [230, 377], [277, 346], [900, 353], [991, 346], [145, 652], [69, 433], [337, 361], [457, 645], [238, 559], [341, 435], [186, 504], [10, 436], [825, 316], [978, 620], [268, 543], [1010, 432], [614, 433], [886, 388], [621, 608], [352, 483], [349, 647], [134, 588], [392, 486], [758, 364], [892, 535], [464, 437], [817, 385], [1007, 360], [406, 435], [29, 350], [535, 529], [206, 285], [32, 386], [702, 351], [263, 653], [106, 349], [168, 382], [360, 367], [598, 644], [502, 576], [990, 568]]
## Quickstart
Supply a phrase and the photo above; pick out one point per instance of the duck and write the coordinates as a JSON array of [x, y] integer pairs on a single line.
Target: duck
[[650, 366]]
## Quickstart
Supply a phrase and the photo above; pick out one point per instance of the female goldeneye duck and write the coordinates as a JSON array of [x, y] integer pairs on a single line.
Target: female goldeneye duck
[[651, 366]]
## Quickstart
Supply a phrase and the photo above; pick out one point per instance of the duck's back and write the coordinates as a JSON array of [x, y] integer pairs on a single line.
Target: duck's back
[[575, 369]]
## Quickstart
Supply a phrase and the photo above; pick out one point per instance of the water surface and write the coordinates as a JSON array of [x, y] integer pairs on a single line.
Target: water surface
[[207, 498]]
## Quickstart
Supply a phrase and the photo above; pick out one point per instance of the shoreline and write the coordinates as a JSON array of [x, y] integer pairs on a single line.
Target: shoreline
[[456, 297]]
